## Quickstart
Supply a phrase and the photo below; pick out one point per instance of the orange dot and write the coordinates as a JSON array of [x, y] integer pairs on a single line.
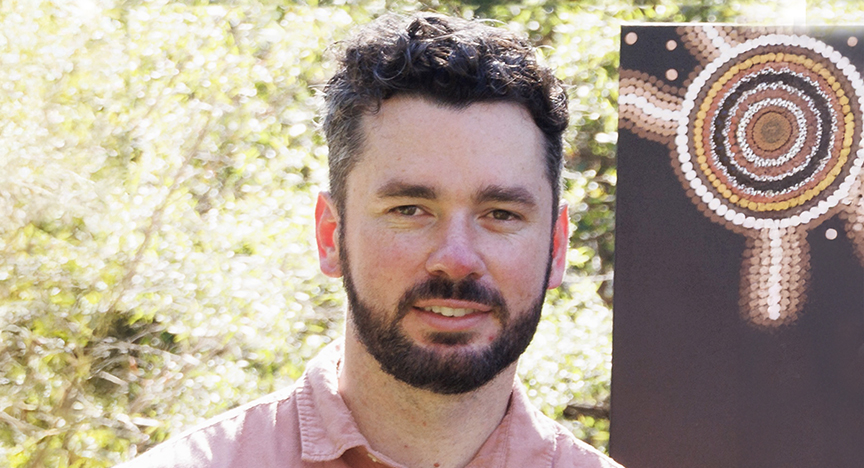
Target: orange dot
[[630, 38], [671, 74], [671, 45], [852, 41]]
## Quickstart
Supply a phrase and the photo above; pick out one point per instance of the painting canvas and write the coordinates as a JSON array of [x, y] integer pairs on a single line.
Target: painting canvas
[[739, 287]]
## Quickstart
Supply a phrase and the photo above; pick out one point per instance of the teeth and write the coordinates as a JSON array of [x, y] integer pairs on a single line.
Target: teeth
[[448, 311]]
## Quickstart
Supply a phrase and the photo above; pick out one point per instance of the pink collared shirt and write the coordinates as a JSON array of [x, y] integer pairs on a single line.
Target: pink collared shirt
[[309, 426]]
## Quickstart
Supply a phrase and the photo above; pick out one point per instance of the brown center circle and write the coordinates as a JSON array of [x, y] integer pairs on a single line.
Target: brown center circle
[[771, 131]]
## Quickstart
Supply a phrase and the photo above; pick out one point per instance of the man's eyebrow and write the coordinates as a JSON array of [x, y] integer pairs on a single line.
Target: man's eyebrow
[[398, 189], [497, 193]]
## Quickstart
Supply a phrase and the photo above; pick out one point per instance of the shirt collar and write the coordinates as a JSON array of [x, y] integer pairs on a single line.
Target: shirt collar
[[327, 429]]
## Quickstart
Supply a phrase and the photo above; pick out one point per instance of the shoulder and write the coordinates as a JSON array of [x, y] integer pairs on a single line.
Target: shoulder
[[571, 452], [239, 437], [558, 443]]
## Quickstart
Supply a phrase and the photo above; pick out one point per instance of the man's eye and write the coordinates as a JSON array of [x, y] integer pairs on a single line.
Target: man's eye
[[503, 215], [407, 210]]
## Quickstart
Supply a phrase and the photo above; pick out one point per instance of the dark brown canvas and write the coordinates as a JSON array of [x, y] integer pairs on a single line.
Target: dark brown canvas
[[739, 287]]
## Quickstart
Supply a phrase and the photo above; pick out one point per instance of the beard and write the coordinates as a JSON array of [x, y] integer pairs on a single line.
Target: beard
[[447, 372]]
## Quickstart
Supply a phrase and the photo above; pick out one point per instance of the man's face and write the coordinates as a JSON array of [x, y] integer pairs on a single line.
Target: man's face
[[447, 241]]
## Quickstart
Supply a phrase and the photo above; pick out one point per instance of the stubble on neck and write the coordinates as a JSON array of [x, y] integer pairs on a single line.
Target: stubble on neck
[[417, 427]]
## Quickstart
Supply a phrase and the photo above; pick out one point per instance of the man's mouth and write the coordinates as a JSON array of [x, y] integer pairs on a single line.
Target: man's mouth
[[449, 311], [450, 315]]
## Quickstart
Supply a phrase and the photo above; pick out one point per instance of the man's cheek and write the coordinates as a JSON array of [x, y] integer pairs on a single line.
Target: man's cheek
[[384, 260]]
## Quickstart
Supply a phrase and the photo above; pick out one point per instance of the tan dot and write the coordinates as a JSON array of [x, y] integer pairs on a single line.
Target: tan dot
[[630, 38], [771, 131], [671, 45], [852, 41], [830, 234], [671, 74]]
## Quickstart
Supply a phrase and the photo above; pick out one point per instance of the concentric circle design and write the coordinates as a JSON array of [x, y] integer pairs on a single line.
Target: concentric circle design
[[770, 132]]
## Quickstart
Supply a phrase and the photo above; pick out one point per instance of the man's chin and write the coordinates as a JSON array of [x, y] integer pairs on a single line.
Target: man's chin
[[445, 340], [446, 369]]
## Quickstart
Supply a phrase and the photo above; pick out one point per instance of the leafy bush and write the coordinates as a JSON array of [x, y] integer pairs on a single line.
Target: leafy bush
[[160, 165]]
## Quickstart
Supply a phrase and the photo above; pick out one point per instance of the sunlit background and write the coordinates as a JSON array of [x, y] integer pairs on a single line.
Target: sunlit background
[[160, 161]]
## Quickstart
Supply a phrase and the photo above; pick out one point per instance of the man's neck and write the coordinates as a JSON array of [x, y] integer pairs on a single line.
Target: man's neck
[[415, 427]]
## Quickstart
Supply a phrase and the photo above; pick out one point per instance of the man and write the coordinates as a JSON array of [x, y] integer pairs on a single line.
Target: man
[[443, 220]]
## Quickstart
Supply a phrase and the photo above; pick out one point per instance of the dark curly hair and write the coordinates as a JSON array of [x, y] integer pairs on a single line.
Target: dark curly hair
[[447, 60]]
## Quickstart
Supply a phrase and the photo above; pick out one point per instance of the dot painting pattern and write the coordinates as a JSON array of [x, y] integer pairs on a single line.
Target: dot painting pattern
[[766, 138]]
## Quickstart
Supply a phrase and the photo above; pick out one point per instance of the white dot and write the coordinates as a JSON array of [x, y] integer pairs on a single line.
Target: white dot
[[822, 207], [843, 63], [687, 107], [830, 233], [774, 311], [841, 192]]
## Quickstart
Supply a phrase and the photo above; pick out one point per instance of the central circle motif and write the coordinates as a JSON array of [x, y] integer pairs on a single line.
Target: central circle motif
[[771, 130]]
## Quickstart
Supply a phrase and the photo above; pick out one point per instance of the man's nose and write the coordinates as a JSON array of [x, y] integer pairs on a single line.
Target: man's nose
[[455, 255]]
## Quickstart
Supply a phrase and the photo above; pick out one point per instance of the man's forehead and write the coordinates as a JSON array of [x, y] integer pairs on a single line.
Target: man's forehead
[[470, 152], [404, 126], [396, 107]]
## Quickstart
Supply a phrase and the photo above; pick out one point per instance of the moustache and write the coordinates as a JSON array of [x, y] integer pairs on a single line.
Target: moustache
[[442, 288]]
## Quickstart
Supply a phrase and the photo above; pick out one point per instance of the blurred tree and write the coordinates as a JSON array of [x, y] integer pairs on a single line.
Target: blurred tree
[[160, 164]]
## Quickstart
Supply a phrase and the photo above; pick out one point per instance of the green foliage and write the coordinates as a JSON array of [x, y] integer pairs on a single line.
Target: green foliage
[[160, 165]]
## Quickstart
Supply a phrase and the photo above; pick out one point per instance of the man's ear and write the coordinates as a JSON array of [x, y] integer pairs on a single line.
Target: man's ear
[[560, 245], [326, 234]]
